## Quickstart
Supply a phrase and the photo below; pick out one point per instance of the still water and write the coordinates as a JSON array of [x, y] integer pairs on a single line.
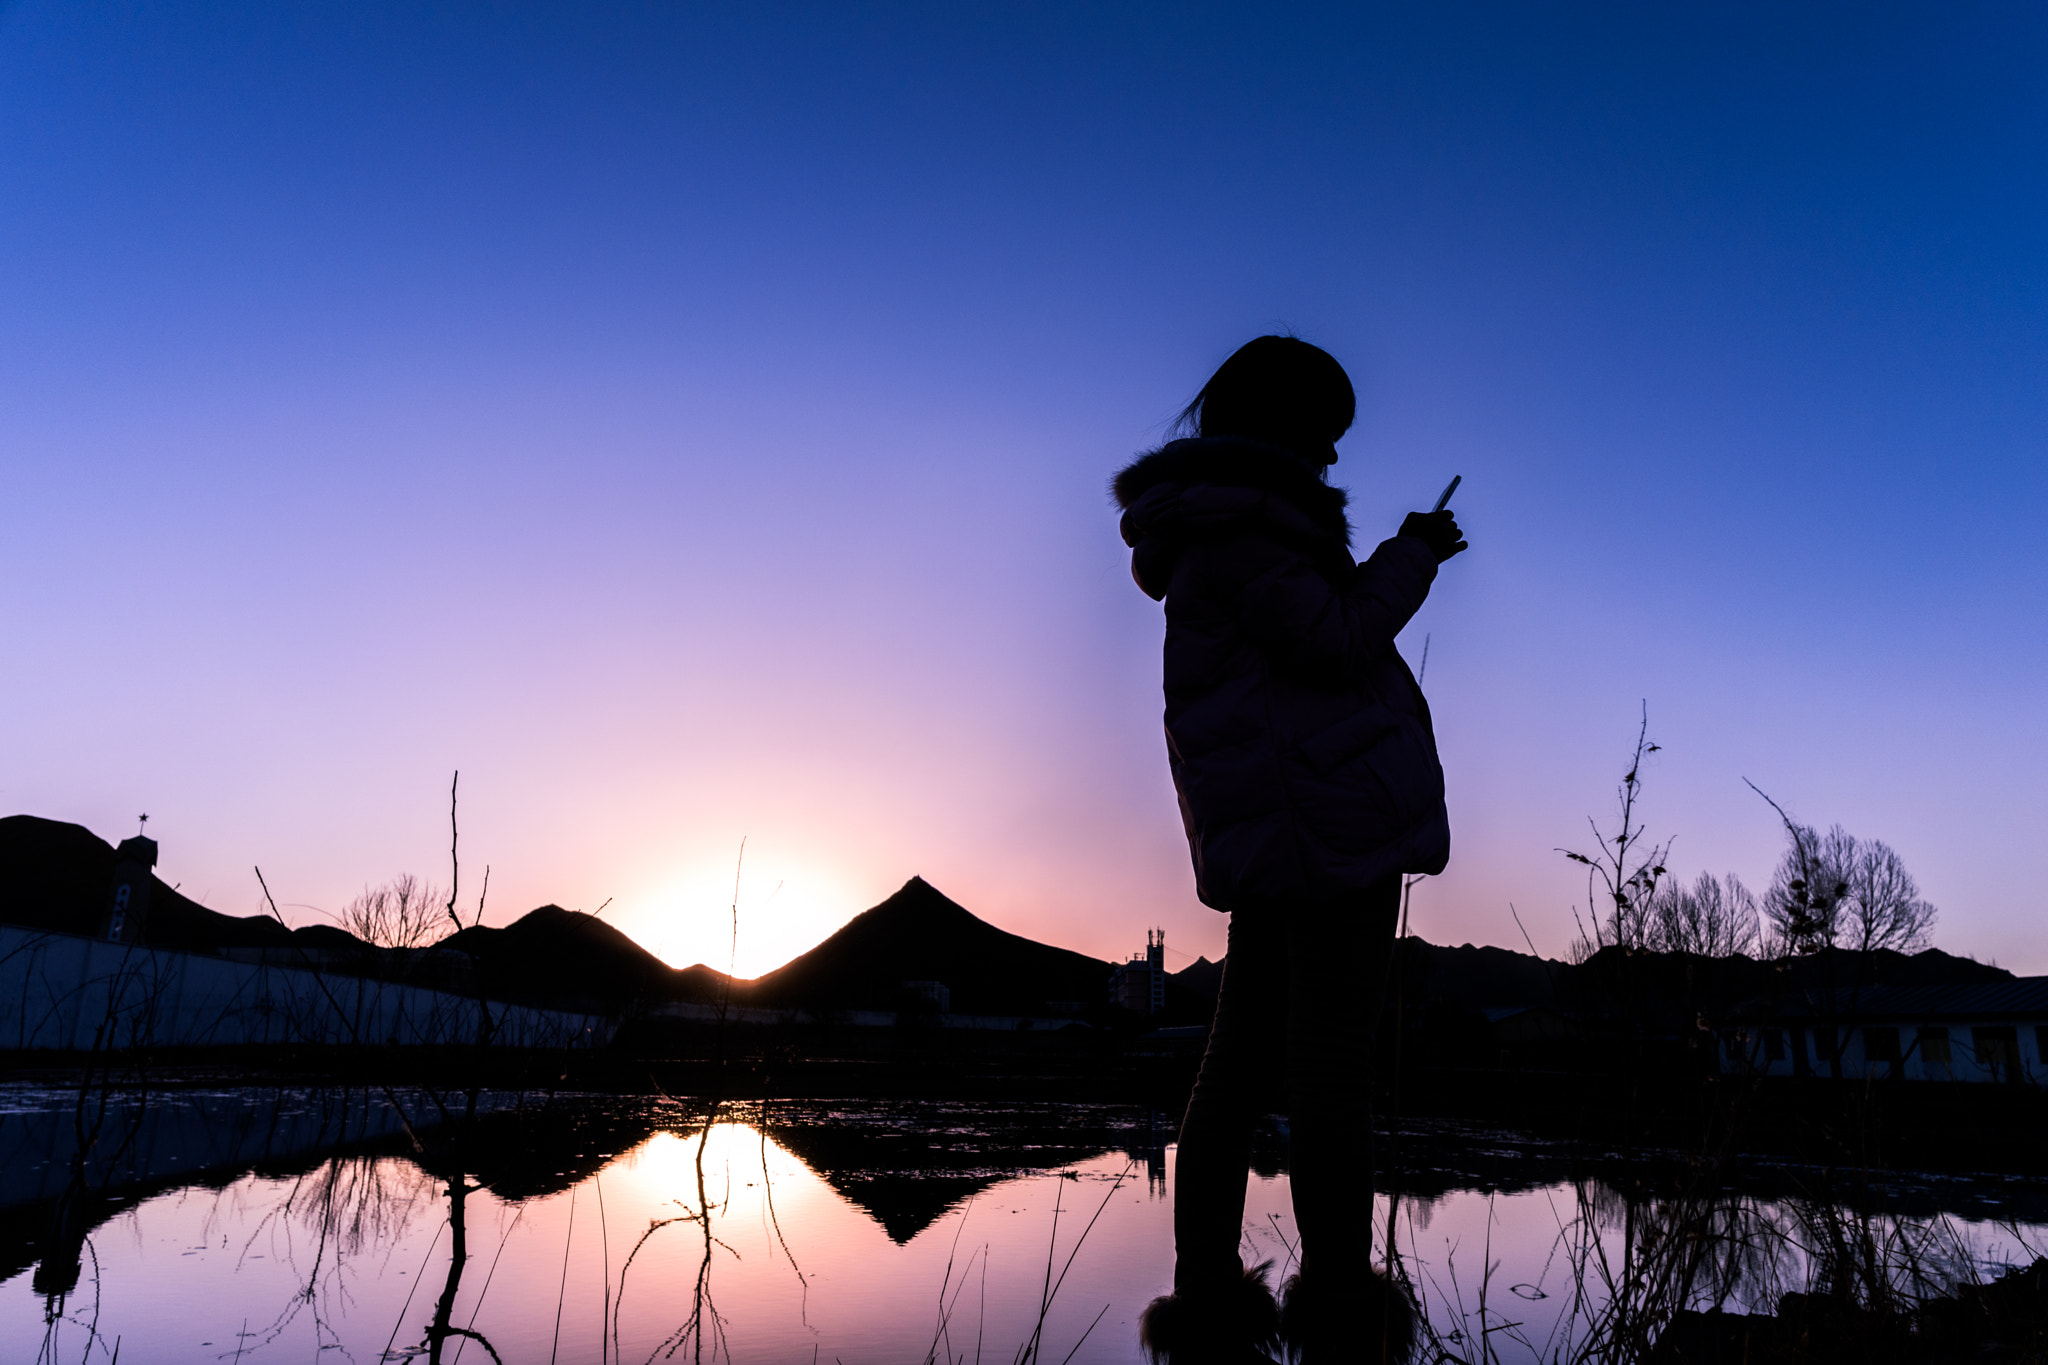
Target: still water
[[235, 1225]]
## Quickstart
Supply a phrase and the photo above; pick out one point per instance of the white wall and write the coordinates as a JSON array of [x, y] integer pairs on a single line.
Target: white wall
[[63, 992], [1963, 1063]]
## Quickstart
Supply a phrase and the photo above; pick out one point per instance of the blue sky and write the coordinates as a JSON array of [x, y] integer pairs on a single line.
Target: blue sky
[[693, 424]]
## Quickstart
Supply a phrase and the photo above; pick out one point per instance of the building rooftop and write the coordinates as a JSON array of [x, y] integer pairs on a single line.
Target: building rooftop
[[2021, 996]]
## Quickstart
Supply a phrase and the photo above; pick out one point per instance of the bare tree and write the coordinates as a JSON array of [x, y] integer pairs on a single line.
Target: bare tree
[[403, 913], [1884, 908], [1714, 917], [1804, 903], [1625, 871], [1834, 890]]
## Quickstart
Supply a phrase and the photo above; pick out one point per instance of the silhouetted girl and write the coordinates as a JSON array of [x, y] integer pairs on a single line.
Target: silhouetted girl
[[1308, 779]]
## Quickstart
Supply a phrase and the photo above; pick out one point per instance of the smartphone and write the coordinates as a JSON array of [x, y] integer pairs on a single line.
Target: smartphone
[[1449, 488]]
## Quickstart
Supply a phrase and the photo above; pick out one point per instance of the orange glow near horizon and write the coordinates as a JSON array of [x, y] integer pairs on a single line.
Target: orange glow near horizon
[[784, 908]]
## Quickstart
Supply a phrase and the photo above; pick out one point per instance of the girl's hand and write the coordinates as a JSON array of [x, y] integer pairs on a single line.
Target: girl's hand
[[1438, 530]]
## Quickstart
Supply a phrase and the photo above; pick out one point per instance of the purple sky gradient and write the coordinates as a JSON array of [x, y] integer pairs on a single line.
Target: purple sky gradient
[[695, 426]]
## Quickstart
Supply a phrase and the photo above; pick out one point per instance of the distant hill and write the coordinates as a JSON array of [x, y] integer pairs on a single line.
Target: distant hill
[[919, 935], [1467, 977], [57, 876], [1675, 987], [552, 953], [1201, 977], [1474, 978], [1479, 976]]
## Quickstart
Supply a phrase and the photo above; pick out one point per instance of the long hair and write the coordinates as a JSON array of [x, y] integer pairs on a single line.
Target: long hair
[[1280, 390]]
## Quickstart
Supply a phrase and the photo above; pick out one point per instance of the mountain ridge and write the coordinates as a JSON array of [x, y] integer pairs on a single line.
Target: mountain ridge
[[55, 876]]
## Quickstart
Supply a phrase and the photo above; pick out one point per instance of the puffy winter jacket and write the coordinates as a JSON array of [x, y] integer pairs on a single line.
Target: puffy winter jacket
[[1300, 743]]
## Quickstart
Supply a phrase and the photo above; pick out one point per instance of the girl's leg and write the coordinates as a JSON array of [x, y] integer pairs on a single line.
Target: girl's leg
[[1214, 1156], [1337, 970], [1218, 1313]]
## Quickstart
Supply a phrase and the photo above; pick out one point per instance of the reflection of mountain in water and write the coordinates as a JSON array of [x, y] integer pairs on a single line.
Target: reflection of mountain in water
[[533, 1151], [1436, 1159], [907, 1166], [136, 1146], [904, 1164]]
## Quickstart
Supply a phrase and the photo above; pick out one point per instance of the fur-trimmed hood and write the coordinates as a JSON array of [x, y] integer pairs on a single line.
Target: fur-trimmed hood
[[1235, 462], [1220, 485]]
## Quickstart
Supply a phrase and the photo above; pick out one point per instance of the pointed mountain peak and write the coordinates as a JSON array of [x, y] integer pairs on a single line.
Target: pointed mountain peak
[[917, 894], [921, 934]]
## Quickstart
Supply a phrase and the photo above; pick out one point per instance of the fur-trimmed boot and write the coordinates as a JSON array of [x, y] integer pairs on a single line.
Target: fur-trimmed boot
[[1372, 1322], [1236, 1324]]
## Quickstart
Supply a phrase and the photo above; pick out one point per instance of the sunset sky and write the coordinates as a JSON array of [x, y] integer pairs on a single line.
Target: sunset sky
[[692, 423]]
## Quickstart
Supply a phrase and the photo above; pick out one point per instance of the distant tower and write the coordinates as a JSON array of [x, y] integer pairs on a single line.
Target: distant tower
[[1139, 985], [128, 904]]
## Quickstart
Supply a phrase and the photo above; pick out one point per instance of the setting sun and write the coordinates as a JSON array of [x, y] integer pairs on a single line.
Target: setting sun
[[785, 907]]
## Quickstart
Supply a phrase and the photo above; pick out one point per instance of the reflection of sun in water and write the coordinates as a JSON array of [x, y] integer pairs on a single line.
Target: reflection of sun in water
[[665, 1165], [785, 908], [743, 1173], [666, 1162]]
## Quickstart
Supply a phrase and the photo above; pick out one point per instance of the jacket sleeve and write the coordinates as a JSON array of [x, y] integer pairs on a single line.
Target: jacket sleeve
[[1308, 624]]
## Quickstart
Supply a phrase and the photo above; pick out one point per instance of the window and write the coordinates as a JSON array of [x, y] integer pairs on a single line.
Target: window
[[1998, 1051], [1880, 1044], [1823, 1044], [1737, 1043], [1800, 1065], [1774, 1045], [1934, 1044]]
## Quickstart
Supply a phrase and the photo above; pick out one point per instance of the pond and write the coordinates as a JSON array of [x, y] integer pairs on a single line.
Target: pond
[[235, 1224]]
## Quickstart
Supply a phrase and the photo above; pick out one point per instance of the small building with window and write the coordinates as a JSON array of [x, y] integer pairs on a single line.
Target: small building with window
[[1139, 985], [1989, 1032]]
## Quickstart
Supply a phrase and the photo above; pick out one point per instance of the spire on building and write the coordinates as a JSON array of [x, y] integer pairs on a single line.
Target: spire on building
[[128, 901], [1139, 985]]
